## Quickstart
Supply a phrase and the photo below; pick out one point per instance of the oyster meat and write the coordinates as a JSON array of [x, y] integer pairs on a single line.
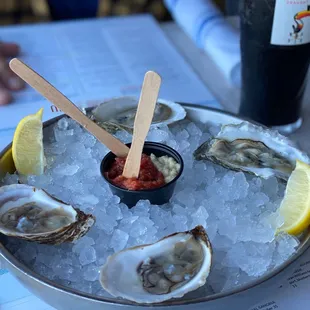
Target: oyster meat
[[252, 149], [168, 268], [119, 113], [30, 213]]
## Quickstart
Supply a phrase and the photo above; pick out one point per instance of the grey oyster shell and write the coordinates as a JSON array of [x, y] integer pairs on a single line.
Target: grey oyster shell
[[32, 214], [168, 268], [119, 114], [253, 149]]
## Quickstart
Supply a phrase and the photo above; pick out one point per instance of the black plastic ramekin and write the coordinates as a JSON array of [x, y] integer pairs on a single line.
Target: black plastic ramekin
[[158, 196]]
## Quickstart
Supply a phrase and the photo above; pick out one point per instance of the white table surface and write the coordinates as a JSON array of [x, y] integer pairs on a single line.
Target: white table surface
[[227, 95]]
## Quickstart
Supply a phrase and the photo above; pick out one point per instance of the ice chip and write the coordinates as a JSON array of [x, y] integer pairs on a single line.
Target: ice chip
[[66, 169], [157, 135], [87, 255], [10, 179], [63, 124], [141, 208], [270, 186], [177, 209], [119, 240], [87, 199], [182, 135], [185, 198], [180, 222], [114, 211], [193, 130], [91, 273]]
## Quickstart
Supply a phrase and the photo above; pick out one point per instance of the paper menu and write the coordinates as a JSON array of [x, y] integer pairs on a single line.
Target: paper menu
[[99, 59]]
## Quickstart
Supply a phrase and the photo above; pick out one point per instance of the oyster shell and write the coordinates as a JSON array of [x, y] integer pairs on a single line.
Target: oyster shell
[[119, 113], [168, 268], [30, 213], [252, 149]]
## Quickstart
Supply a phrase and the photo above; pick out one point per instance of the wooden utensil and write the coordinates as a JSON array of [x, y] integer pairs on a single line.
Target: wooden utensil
[[143, 120], [63, 103]]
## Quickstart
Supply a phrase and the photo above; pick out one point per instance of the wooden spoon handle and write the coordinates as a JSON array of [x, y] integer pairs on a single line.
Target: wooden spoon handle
[[63, 103], [143, 120]]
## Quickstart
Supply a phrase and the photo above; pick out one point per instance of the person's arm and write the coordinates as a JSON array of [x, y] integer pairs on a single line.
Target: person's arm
[[8, 80]]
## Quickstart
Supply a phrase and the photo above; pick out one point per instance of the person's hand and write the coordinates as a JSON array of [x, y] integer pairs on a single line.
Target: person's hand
[[8, 80]]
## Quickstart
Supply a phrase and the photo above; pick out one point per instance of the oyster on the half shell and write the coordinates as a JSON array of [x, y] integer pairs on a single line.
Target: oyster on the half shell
[[119, 113], [30, 213], [168, 268], [254, 149]]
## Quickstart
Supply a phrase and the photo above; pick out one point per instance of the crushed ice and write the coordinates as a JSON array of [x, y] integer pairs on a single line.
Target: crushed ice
[[237, 210]]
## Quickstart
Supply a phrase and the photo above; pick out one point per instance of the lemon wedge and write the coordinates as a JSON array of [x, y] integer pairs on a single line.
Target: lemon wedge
[[295, 206], [27, 146]]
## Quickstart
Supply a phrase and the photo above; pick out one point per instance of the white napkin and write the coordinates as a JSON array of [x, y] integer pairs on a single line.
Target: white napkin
[[206, 25]]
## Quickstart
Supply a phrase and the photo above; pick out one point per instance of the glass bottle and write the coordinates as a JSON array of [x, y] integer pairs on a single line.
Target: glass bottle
[[275, 55]]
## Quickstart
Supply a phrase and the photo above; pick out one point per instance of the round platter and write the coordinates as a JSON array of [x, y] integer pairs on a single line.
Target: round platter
[[62, 297]]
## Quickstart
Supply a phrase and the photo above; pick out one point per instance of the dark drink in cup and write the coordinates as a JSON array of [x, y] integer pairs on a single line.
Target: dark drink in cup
[[275, 53]]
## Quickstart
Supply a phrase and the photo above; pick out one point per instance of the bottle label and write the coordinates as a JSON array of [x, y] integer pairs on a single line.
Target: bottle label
[[291, 22]]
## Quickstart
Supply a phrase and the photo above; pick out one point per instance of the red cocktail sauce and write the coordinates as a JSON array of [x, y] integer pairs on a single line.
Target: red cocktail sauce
[[149, 177]]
